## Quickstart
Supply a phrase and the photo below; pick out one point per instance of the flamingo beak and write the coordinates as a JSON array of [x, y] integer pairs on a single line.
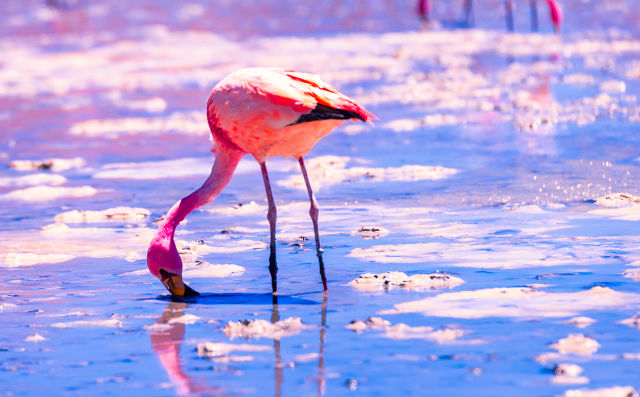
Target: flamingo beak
[[174, 284]]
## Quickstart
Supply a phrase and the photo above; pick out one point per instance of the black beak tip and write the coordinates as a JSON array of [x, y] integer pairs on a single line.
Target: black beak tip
[[188, 291]]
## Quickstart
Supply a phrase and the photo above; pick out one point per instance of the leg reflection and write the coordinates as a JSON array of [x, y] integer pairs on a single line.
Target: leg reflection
[[275, 317], [323, 330], [166, 340]]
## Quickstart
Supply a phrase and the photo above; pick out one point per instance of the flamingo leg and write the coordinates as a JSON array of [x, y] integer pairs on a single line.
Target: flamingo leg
[[314, 211], [533, 8], [468, 12], [508, 6], [271, 216]]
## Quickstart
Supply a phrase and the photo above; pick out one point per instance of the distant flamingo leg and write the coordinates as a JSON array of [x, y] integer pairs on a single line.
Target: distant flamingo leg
[[314, 211], [533, 8], [508, 6], [468, 12], [272, 215]]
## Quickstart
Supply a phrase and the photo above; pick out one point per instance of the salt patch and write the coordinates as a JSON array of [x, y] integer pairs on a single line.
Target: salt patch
[[580, 322], [35, 338], [158, 327], [109, 214], [633, 274], [517, 302], [4, 306], [569, 380], [613, 86], [184, 319], [216, 349], [402, 331], [203, 269], [579, 79], [112, 323], [190, 251], [567, 369], [33, 180], [151, 105], [140, 272], [55, 228], [18, 259], [359, 326], [617, 200], [627, 213], [47, 193], [331, 170], [264, 329], [54, 164], [477, 254], [442, 336], [615, 391], [305, 358], [431, 120], [389, 280], [370, 232], [576, 344], [190, 123], [177, 168], [632, 321], [240, 209]]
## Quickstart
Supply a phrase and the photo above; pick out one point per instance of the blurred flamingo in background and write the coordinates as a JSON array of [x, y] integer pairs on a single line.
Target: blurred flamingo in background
[[264, 112], [555, 13]]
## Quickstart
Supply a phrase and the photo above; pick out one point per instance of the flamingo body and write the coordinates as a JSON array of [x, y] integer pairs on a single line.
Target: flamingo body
[[264, 112], [257, 109]]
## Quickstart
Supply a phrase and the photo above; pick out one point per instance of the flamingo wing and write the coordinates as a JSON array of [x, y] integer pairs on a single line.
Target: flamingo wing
[[308, 95], [330, 103], [258, 109]]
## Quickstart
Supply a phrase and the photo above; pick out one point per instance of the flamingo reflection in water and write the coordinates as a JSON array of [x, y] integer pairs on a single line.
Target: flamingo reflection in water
[[166, 340], [167, 337]]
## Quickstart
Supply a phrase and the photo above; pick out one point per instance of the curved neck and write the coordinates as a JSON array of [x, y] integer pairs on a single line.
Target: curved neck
[[227, 159]]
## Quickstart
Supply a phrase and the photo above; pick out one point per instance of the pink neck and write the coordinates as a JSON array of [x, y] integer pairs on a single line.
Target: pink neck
[[162, 253]]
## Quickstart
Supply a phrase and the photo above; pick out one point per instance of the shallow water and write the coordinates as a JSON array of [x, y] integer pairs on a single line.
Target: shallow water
[[492, 162]]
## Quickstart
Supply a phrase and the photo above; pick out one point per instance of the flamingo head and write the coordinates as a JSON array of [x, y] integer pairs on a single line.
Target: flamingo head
[[175, 285], [556, 15], [164, 262]]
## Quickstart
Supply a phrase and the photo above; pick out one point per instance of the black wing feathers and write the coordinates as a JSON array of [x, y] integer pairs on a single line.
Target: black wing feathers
[[323, 112]]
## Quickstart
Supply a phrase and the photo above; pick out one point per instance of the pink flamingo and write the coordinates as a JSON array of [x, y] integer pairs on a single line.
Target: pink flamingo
[[264, 112], [555, 12]]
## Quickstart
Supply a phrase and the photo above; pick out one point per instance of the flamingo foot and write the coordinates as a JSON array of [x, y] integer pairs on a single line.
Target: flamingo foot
[[174, 284]]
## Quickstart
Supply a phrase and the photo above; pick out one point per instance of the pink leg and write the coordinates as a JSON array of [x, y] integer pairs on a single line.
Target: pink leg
[[508, 6], [271, 216], [533, 9], [314, 211], [468, 12]]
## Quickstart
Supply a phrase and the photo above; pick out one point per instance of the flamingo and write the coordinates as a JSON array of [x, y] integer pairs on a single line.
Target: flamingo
[[555, 13], [265, 112]]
